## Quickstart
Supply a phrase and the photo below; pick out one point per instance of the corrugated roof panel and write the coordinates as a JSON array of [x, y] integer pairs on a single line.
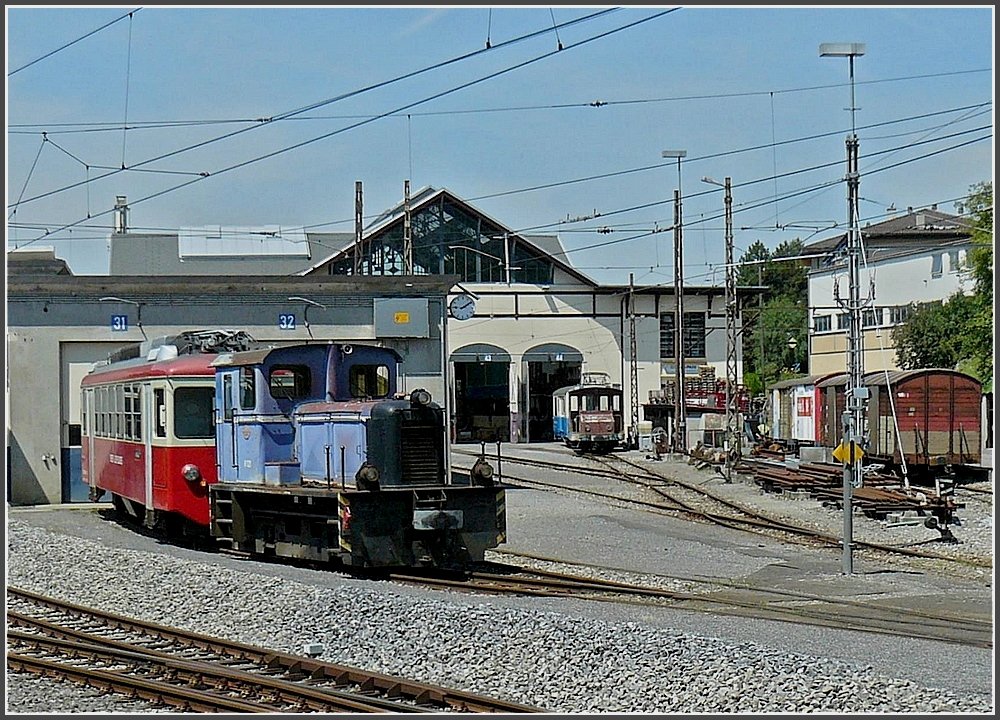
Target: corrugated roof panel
[[237, 241]]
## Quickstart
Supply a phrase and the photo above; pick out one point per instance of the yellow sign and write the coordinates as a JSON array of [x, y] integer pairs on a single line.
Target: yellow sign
[[843, 453], [401, 318]]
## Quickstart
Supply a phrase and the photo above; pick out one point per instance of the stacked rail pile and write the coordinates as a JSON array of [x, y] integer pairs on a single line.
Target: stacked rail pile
[[880, 495]]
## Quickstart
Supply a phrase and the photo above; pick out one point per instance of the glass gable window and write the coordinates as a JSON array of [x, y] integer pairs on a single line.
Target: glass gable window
[[448, 239]]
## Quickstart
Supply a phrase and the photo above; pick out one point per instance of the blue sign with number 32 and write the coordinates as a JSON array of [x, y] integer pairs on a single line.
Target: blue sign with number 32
[[286, 321]]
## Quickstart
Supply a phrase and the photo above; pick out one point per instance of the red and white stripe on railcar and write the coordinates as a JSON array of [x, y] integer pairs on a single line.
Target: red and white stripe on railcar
[[147, 433]]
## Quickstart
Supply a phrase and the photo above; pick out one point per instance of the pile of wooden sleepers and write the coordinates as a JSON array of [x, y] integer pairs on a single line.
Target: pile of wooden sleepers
[[880, 495]]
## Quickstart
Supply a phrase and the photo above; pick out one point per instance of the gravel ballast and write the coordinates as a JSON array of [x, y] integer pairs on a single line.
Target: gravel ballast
[[558, 661]]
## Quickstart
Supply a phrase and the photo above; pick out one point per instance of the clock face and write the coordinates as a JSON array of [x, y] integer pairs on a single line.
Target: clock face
[[462, 307]]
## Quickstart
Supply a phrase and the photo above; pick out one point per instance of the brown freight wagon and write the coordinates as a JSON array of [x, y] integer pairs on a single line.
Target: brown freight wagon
[[937, 412]]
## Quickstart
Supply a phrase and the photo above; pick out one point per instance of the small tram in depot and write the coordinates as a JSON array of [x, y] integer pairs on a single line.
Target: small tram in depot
[[301, 451], [588, 416]]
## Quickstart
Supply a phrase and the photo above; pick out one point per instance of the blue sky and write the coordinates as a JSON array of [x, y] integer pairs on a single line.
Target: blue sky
[[568, 134]]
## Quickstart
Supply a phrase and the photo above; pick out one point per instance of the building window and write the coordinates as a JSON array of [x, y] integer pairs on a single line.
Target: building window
[[694, 335], [936, 262], [954, 264], [667, 335], [843, 321], [822, 323], [898, 314], [871, 317]]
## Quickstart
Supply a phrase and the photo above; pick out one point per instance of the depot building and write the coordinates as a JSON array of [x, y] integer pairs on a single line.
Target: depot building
[[447, 286]]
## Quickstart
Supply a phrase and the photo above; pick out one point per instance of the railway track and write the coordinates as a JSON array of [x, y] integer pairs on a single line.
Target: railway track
[[719, 597], [196, 673], [689, 500]]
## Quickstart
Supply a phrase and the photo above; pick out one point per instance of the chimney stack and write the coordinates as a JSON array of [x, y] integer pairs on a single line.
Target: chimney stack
[[121, 215]]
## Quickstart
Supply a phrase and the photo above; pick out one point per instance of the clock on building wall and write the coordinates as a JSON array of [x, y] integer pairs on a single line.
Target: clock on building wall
[[462, 307]]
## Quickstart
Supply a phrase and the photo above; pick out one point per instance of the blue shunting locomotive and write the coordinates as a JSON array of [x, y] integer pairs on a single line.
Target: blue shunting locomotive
[[320, 458]]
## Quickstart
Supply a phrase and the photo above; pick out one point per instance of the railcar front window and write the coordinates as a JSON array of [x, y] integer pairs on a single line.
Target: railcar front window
[[193, 413], [369, 381]]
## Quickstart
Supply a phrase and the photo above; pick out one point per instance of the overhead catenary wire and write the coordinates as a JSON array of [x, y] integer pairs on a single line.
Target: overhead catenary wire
[[416, 103], [49, 54], [21, 128], [285, 115], [743, 207]]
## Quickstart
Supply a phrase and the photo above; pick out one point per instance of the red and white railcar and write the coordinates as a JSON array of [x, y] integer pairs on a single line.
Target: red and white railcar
[[147, 435]]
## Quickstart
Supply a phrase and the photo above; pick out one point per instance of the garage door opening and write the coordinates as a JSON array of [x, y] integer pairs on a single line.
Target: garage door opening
[[546, 369], [482, 394]]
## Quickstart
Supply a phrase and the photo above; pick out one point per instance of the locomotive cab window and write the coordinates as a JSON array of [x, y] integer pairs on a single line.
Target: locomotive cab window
[[248, 388], [290, 382], [368, 381], [193, 412]]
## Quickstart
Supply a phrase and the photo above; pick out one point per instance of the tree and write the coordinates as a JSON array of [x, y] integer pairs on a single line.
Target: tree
[[977, 335], [928, 338], [781, 314]]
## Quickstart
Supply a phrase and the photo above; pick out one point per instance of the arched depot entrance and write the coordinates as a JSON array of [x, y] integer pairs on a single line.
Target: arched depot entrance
[[482, 393], [545, 368]]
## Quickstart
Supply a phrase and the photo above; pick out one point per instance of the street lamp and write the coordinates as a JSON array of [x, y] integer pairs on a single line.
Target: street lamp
[[856, 393], [305, 312], [733, 437], [680, 401], [792, 344], [138, 311]]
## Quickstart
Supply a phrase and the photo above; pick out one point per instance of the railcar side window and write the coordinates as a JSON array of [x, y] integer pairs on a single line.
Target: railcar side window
[[369, 381], [84, 404], [290, 382], [193, 412]]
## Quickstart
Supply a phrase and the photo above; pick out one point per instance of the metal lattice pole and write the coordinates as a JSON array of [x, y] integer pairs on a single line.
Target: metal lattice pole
[[734, 434], [633, 362], [407, 232], [680, 403], [357, 228]]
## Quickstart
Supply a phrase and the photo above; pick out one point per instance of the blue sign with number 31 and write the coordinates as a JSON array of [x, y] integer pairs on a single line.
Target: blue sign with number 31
[[119, 323]]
